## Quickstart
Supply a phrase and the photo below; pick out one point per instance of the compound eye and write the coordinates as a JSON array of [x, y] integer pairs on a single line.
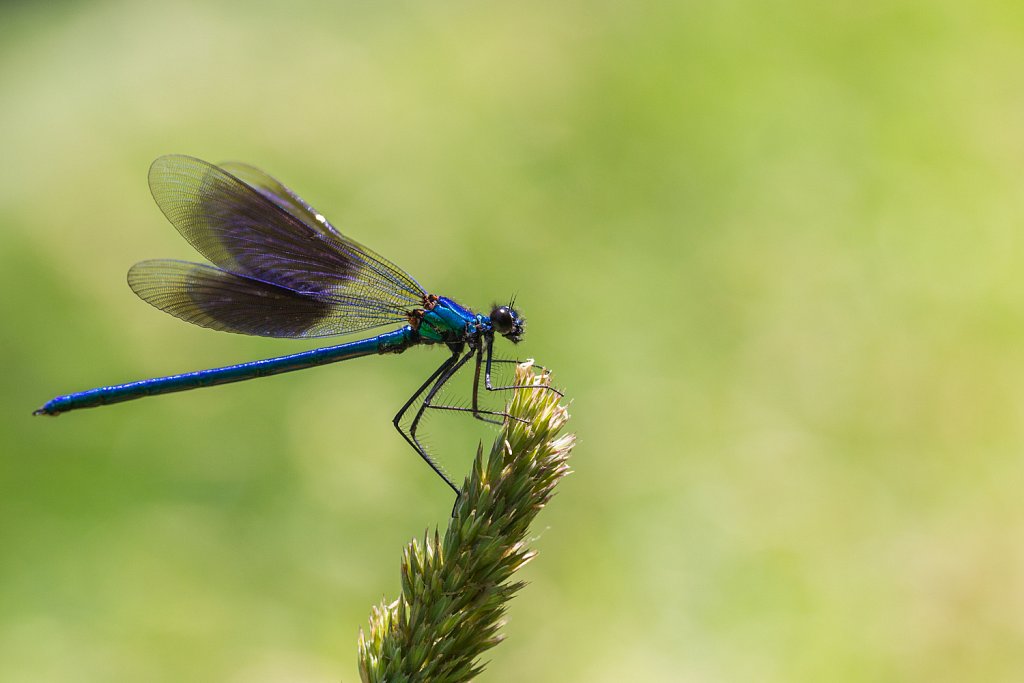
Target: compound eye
[[503, 319]]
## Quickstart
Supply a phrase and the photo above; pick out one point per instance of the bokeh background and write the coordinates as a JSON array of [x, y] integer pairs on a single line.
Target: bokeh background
[[773, 252]]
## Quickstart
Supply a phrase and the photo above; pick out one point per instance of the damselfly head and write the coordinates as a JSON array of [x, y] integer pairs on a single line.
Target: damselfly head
[[507, 323]]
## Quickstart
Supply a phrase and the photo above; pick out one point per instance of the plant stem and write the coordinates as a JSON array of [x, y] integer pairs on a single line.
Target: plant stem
[[455, 589]]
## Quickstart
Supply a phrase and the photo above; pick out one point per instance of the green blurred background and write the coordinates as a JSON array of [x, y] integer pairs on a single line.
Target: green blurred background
[[772, 250]]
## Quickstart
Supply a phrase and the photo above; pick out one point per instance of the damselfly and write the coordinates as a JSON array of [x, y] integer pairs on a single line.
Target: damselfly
[[280, 269]]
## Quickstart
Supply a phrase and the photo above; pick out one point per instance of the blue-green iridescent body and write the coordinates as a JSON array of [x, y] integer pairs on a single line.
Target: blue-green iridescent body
[[446, 323], [278, 268]]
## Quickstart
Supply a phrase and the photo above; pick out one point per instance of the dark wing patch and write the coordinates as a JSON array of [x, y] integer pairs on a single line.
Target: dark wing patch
[[210, 297], [253, 227]]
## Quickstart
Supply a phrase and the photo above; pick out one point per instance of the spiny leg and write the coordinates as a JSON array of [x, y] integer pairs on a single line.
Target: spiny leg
[[487, 375], [482, 415], [438, 380], [479, 414], [441, 379], [410, 437], [515, 361], [450, 370]]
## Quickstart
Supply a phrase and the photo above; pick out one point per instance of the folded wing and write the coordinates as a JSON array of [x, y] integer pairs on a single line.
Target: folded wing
[[281, 269]]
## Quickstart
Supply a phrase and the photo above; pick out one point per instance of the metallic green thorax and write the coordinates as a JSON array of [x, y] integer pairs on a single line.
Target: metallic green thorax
[[446, 321]]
